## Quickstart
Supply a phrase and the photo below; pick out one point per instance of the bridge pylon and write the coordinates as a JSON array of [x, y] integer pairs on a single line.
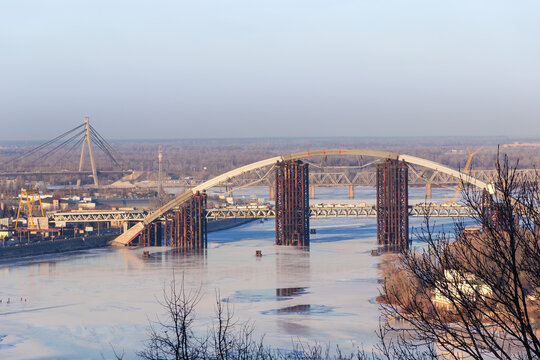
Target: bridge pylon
[[392, 205], [292, 203], [87, 141]]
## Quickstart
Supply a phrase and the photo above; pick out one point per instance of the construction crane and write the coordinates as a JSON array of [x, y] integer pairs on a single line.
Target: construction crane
[[465, 171], [30, 204]]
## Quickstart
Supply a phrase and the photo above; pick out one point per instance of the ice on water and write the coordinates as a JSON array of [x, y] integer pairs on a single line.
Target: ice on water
[[80, 304]]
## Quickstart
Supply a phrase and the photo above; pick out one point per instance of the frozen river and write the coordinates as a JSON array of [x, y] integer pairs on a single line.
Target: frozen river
[[76, 305]]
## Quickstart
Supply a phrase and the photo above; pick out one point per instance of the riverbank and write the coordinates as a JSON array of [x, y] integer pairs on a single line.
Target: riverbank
[[56, 246], [90, 242]]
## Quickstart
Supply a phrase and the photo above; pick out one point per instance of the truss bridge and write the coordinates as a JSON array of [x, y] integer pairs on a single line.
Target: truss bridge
[[416, 177], [262, 212], [336, 210]]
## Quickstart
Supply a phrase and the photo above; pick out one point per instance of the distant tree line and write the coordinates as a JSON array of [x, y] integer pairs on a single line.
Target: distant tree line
[[205, 158]]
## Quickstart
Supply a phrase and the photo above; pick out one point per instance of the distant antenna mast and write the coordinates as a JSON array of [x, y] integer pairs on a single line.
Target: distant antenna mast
[[87, 139], [160, 179]]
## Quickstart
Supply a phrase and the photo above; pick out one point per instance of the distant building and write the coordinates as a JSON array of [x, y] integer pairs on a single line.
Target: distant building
[[86, 205], [4, 229], [459, 285], [39, 223], [5, 222]]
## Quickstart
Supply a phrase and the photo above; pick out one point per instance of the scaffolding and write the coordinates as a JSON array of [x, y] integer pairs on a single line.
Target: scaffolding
[[494, 216], [292, 203], [183, 228], [189, 227], [392, 205]]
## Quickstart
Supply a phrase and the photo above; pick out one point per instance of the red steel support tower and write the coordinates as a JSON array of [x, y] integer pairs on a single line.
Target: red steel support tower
[[189, 224], [495, 215], [185, 227], [392, 204], [292, 203]]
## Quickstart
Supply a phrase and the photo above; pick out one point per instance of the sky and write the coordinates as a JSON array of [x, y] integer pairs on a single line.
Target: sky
[[249, 68]]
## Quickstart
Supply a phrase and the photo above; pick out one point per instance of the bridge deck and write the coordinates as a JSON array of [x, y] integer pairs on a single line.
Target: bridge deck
[[263, 211]]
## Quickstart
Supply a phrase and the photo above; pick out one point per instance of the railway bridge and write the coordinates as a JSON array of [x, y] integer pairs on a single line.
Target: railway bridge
[[261, 212], [182, 221]]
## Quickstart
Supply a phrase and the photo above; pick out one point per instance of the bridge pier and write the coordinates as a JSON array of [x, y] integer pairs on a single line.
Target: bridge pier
[[428, 191], [184, 228], [351, 192], [392, 205], [148, 236], [188, 227], [292, 203], [493, 214], [312, 192]]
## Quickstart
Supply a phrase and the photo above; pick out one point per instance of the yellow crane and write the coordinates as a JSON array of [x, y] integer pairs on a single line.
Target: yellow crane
[[30, 203], [465, 171]]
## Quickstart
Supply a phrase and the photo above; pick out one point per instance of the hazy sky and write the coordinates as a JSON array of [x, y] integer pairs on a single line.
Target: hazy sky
[[245, 68]]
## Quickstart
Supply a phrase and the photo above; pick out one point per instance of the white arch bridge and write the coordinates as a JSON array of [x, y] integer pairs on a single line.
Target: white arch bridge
[[133, 232]]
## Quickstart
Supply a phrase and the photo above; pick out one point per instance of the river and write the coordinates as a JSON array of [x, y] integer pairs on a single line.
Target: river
[[78, 305]]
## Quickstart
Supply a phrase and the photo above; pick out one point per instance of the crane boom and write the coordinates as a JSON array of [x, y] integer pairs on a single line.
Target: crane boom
[[465, 171]]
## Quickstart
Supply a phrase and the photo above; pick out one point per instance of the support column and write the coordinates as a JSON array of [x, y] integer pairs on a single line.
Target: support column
[[428, 191], [392, 204], [292, 203], [165, 237], [312, 192], [271, 195], [351, 192], [155, 242]]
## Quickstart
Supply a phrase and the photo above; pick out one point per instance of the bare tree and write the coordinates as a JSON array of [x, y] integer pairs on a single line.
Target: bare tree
[[233, 339], [173, 337], [475, 295]]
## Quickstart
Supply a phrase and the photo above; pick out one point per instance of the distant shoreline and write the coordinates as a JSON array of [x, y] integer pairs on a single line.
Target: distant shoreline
[[55, 247], [90, 242]]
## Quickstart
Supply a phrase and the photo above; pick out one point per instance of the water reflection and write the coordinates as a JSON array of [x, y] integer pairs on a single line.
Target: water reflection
[[163, 257], [293, 263], [265, 295], [193, 257], [300, 309], [294, 328], [289, 293], [297, 309]]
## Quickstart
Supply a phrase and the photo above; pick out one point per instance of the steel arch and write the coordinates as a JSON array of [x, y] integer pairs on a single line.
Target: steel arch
[[132, 232]]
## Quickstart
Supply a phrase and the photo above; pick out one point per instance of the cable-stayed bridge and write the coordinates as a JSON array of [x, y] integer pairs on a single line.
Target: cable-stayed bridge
[[64, 145]]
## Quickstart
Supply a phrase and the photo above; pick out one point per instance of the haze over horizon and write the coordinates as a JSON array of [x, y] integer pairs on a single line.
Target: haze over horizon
[[241, 69]]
